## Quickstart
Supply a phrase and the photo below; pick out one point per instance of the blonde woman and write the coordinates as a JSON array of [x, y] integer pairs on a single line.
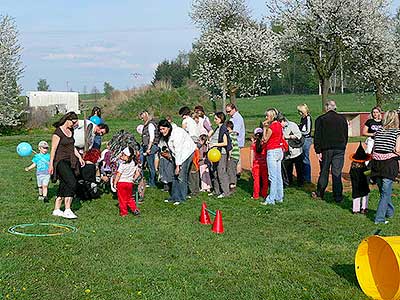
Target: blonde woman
[[305, 128], [272, 136], [371, 127], [384, 164]]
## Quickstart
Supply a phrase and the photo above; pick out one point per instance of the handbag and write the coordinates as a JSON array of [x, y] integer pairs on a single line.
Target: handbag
[[296, 143]]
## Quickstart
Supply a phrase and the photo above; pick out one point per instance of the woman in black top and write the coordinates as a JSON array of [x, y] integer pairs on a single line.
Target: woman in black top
[[305, 128], [64, 163], [371, 127]]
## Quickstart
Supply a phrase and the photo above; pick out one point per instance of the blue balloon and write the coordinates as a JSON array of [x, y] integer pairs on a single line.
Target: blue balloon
[[24, 149], [95, 119]]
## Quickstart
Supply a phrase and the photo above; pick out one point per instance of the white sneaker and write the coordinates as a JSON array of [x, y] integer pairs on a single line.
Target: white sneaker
[[58, 213], [177, 203], [220, 196], [69, 214], [40, 198]]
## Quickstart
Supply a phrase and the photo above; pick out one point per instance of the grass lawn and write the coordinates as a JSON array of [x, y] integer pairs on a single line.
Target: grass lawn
[[301, 249]]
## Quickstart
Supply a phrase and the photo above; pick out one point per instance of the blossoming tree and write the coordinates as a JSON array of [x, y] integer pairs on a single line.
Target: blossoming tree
[[234, 53], [327, 30], [10, 72]]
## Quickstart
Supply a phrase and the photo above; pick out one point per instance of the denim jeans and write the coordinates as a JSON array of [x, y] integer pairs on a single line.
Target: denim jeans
[[179, 187], [274, 161], [385, 205], [150, 162], [331, 160], [306, 159]]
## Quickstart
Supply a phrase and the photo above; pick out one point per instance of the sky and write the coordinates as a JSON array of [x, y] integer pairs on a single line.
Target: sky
[[80, 44]]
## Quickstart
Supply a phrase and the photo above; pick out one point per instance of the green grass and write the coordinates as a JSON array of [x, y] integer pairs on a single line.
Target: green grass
[[301, 249]]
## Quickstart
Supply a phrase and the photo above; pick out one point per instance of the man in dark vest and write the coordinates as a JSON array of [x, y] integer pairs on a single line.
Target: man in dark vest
[[330, 140], [149, 147]]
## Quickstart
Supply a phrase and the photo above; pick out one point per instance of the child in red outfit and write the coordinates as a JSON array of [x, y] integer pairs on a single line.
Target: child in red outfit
[[258, 163], [127, 173]]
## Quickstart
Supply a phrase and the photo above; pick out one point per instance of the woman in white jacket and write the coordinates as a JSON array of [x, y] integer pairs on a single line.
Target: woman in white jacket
[[181, 148]]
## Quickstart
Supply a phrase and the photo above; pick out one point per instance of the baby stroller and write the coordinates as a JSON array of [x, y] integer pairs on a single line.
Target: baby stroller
[[119, 142]]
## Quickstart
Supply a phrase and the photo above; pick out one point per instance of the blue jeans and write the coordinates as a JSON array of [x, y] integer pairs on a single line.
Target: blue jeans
[[274, 163], [150, 162], [306, 159], [385, 205], [179, 187]]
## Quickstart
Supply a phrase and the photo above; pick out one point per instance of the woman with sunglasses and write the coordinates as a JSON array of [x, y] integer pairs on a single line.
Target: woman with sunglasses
[[64, 163]]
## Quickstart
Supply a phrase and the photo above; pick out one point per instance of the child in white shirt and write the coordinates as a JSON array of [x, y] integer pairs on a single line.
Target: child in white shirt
[[127, 173]]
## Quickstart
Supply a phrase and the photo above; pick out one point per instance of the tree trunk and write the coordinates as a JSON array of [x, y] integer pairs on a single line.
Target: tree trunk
[[325, 91], [232, 95], [378, 93], [341, 75], [223, 99]]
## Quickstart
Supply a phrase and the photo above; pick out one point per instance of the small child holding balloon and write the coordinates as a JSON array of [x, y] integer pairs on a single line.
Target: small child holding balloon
[[41, 161]]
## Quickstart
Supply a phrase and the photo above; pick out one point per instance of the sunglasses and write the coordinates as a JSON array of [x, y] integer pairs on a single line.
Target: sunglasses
[[74, 121], [228, 111]]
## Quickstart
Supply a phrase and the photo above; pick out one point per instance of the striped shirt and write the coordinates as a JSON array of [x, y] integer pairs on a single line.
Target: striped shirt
[[385, 140], [235, 153]]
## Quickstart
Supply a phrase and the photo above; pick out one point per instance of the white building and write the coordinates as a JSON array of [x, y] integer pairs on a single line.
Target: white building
[[62, 101]]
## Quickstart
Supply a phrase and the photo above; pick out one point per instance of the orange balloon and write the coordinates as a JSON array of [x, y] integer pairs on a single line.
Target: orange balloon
[[214, 155]]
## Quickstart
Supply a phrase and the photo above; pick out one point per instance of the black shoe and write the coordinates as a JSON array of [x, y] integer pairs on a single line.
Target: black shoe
[[45, 199], [136, 212], [166, 187]]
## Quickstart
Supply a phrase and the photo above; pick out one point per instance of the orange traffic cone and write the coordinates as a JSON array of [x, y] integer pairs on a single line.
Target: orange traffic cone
[[218, 226], [204, 216]]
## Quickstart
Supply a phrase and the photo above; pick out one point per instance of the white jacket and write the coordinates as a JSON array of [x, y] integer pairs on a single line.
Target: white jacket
[[292, 128], [180, 144]]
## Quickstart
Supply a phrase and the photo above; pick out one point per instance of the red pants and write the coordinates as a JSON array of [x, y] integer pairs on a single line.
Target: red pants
[[260, 176], [125, 199]]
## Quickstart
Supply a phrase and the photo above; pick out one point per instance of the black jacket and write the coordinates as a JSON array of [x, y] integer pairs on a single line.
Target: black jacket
[[331, 132]]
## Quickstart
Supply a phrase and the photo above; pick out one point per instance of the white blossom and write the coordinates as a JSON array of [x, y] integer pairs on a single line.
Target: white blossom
[[327, 29], [10, 72], [234, 53]]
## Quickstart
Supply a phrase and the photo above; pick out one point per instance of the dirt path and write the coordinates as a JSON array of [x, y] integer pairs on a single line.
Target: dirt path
[[351, 148]]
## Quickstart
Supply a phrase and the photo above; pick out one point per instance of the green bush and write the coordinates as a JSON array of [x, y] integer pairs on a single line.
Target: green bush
[[164, 101]]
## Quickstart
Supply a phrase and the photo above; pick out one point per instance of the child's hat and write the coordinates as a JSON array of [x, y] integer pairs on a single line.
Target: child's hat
[[43, 144], [258, 130], [360, 155]]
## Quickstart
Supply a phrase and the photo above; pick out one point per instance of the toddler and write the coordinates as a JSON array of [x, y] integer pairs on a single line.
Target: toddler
[[127, 174], [258, 161], [234, 155], [205, 179], [41, 161], [359, 181]]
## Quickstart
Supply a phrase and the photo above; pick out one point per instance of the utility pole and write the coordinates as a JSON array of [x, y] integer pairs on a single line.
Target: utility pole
[[67, 86], [135, 77]]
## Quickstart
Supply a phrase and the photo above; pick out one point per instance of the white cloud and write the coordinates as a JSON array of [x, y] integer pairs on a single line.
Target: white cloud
[[65, 56], [111, 63]]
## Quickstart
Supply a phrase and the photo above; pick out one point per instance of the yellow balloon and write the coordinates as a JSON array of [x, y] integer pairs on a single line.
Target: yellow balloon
[[214, 155]]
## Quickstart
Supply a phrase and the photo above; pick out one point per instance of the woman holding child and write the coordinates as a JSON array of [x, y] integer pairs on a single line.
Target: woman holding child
[[64, 163]]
